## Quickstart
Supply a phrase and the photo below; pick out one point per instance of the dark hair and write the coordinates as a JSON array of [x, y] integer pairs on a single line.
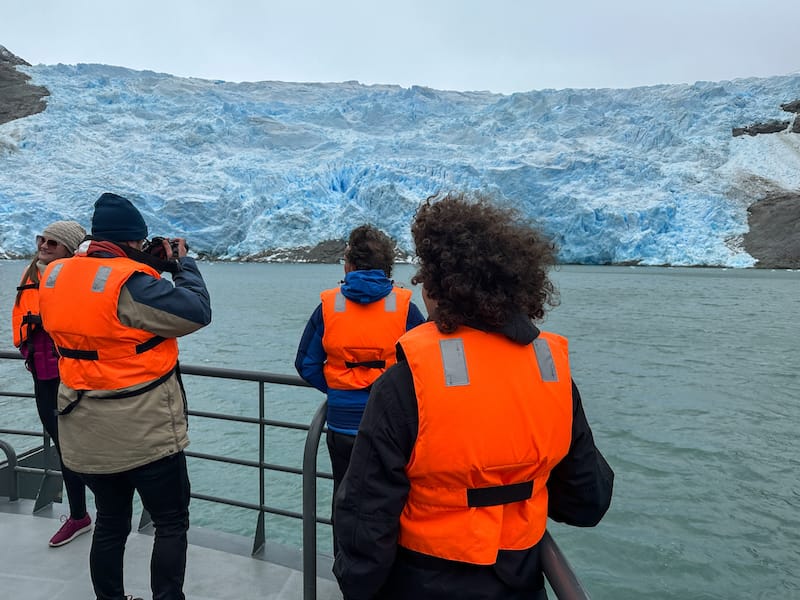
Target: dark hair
[[480, 262], [370, 248]]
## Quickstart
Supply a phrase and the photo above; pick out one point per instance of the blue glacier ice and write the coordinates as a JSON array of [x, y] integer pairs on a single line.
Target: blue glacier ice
[[649, 175]]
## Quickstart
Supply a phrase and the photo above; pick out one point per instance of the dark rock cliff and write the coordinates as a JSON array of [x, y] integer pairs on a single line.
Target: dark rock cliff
[[774, 220], [18, 98], [774, 236]]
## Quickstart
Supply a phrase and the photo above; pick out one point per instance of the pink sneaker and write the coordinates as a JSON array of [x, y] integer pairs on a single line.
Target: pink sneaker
[[71, 529]]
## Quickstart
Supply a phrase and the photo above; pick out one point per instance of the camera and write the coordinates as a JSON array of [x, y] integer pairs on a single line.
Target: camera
[[155, 247]]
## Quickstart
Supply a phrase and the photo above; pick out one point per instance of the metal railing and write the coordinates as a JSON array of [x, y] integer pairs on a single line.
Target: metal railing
[[261, 507], [556, 569]]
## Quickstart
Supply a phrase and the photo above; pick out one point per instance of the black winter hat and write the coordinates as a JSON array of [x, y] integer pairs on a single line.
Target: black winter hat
[[117, 220]]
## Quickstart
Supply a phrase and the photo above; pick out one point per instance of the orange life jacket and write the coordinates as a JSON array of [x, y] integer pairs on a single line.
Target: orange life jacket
[[25, 316], [78, 300], [495, 417], [359, 339]]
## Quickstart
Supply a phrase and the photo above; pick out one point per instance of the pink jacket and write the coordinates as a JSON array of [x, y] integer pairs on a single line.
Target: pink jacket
[[45, 359]]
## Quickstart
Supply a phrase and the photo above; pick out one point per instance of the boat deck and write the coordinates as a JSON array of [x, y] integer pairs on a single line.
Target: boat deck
[[219, 566]]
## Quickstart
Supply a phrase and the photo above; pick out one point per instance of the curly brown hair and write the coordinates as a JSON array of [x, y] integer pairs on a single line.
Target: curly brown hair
[[481, 263], [370, 248]]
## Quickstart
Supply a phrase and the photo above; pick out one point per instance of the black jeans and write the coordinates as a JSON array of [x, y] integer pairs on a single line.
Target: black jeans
[[46, 391], [416, 575], [163, 486], [340, 447]]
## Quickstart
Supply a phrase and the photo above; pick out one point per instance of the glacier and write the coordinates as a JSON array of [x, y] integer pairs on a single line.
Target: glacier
[[649, 175]]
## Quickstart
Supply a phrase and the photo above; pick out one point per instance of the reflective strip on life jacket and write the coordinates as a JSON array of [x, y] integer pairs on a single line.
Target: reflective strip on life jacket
[[50, 280], [389, 302]]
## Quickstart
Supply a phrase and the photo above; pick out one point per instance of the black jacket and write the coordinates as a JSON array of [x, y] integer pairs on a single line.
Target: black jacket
[[367, 511]]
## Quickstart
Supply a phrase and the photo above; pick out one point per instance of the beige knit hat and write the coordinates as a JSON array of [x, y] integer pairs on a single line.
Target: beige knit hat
[[69, 233]]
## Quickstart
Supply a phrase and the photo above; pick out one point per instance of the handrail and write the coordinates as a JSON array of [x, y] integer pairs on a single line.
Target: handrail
[[558, 571], [555, 566], [310, 503], [259, 377], [11, 458]]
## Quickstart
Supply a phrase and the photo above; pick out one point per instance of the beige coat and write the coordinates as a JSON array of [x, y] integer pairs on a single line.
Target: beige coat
[[115, 435]]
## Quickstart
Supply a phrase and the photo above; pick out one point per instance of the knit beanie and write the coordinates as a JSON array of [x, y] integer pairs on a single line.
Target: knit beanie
[[117, 220], [69, 233]]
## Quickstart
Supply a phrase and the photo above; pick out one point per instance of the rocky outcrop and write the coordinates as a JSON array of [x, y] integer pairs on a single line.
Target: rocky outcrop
[[329, 252], [326, 252], [756, 128], [18, 98], [792, 107], [774, 125], [774, 235]]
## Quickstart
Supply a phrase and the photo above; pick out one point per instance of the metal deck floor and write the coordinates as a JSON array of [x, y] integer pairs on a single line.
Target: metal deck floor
[[218, 565]]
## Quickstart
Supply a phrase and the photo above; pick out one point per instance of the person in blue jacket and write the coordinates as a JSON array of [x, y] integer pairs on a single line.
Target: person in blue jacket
[[349, 341]]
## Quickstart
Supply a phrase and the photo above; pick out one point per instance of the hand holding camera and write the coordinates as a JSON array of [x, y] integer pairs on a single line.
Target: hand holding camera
[[166, 248]]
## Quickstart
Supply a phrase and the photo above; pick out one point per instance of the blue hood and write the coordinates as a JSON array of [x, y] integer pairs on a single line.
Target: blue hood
[[366, 286]]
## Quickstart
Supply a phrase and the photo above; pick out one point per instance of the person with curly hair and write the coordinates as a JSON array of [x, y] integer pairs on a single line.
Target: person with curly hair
[[478, 434], [349, 341]]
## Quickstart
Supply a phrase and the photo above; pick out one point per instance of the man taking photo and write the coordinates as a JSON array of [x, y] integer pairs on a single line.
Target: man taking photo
[[122, 419]]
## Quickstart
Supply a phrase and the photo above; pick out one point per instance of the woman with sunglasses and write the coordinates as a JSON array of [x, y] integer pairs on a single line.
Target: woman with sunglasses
[[58, 240]]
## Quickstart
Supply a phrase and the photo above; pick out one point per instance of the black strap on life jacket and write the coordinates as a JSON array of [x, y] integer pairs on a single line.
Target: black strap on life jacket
[[93, 355], [119, 396], [369, 364], [150, 344], [32, 322], [31, 319], [78, 354], [183, 393], [499, 494]]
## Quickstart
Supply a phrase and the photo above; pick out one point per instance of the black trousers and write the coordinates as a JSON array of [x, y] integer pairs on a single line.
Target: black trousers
[[163, 486], [46, 391], [416, 576], [340, 447]]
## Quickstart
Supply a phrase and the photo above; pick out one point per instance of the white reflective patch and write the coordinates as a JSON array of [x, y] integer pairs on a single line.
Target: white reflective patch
[[100, 279], [390, 302], [454, 362], [339, 303], [51, 279], [547, 368]]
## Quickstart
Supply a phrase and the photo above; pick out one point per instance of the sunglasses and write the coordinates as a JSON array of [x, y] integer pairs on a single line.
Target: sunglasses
[[52, 244]]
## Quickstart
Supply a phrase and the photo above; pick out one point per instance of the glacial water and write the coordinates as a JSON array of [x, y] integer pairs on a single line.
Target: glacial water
[[689, 379]]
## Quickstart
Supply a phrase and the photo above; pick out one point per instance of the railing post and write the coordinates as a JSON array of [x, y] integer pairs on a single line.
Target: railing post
[[558, 571], [52, 484], [11, 458], [260, 536], [310, 503]]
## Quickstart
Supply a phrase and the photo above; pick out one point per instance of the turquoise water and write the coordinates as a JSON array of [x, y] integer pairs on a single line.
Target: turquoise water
[[689, 379]]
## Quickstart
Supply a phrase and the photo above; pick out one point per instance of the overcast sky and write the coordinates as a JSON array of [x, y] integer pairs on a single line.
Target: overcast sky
[[499, 45]]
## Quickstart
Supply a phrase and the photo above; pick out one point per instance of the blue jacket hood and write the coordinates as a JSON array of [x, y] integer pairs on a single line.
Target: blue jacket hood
[[366, 286]]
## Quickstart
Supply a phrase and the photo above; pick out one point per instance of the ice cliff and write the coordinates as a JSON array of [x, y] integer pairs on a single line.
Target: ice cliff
[[649, 175]]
